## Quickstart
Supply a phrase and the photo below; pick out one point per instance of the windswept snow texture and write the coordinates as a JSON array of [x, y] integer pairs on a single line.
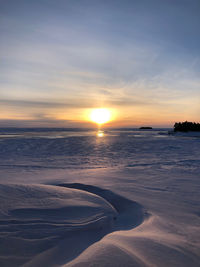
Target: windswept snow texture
[[71, 198], [34, 218]]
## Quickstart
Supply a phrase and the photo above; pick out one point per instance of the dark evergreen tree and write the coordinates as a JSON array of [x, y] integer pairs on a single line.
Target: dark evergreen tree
[[186, 126]]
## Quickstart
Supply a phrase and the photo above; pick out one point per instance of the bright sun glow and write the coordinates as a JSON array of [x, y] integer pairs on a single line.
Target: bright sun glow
[[100, 115]]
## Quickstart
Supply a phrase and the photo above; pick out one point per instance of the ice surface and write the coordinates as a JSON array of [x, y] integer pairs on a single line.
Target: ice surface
[[70, 198]]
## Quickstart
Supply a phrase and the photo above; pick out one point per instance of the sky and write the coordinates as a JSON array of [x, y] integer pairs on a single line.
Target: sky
[[61, 58]]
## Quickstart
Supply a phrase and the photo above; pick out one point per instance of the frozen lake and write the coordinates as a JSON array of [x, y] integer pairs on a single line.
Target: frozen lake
[[125, 197]]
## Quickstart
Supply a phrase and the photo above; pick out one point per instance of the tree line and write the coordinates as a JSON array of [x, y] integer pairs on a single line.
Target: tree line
[[186, 126]]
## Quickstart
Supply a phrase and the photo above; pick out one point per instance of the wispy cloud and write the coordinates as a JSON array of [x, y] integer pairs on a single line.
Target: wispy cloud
[[58, 56]]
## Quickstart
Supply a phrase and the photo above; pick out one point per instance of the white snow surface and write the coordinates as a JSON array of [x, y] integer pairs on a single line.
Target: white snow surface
[[70, 198]]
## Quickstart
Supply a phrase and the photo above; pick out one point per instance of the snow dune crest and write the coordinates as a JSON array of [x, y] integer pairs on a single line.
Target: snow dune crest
[[52, 225], [152, 243]]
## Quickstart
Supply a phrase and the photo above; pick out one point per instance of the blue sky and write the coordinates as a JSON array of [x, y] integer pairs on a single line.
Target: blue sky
[[60, 58]]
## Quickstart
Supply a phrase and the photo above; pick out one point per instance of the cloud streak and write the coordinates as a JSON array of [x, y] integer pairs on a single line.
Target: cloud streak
[[73, 55]]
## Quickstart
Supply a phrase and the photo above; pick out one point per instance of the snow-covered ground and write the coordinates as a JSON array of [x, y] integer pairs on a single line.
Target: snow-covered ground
[[71, 198]]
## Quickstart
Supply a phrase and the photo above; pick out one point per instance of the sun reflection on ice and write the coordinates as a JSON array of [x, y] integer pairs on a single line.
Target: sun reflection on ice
[[100, 134]]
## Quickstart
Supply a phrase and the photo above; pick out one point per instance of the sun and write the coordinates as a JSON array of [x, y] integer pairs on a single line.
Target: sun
[[100, 115]]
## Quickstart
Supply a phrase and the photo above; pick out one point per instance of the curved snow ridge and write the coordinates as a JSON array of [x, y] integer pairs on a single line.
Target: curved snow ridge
[[130, 213], [35, 218], [48, 225], [47, 204], [149, 244]]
